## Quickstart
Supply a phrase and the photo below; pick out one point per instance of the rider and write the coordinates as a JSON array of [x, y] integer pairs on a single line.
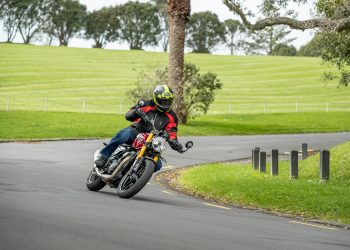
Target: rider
[[157, 110]]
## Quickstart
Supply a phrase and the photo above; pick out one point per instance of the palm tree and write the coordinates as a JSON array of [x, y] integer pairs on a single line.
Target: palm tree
[[178, 14]]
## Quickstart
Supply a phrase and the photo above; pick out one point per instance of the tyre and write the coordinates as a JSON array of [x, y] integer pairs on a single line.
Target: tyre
[[131, 184], [94, 182]]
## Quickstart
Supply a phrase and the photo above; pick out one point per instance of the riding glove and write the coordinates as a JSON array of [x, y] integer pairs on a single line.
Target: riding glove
[[176, 145]]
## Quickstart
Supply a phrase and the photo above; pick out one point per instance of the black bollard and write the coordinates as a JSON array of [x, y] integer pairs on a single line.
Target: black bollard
[[256, 152], [303, 151], [294, 164], [274, 162], [324, 164], [262, 162]]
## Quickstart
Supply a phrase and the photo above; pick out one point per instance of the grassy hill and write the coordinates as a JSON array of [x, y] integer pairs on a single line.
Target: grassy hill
[[96, 80]]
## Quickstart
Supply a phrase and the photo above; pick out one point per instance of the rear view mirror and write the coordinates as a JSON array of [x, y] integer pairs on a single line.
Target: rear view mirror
[[189, 144]]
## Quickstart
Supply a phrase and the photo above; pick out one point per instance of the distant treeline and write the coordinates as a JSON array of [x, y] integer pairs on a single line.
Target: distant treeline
[[139, 25]]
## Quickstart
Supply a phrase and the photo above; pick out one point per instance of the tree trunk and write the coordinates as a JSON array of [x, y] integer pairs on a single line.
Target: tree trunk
[[98, 44], [64, 43], [50, 40], [178, 14]]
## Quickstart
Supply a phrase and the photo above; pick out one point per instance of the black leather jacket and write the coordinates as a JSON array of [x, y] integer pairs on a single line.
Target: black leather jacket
[[163, 120]]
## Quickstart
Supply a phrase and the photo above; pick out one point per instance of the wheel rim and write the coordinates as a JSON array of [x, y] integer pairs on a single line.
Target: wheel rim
[[132, 178], [128, 182], [92, 177]]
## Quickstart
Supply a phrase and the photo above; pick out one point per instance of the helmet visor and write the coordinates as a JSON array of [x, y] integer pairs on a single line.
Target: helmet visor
[[165, 103]]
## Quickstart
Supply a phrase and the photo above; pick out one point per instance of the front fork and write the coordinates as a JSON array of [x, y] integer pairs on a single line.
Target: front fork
[[143, 151]]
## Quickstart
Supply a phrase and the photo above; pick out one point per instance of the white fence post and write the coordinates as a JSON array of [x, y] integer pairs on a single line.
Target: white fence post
[[84, 105], [46, 101], [8, 104], [225, 108]]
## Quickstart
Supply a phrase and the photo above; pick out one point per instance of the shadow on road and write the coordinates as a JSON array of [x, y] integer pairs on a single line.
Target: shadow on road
[[153, 200]]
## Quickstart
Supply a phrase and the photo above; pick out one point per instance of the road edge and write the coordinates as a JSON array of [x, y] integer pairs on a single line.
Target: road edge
[[168, 179]]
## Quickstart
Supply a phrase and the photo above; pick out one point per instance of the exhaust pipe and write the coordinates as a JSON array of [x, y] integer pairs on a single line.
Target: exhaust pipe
[[107, 177]]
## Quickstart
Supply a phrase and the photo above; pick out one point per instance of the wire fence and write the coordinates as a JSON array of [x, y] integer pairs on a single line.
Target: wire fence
[[112, 105]]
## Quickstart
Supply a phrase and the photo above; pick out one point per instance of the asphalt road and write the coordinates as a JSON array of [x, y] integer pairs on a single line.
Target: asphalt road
[[44, 203]]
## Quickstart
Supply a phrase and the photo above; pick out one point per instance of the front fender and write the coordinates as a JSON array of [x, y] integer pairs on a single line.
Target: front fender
[[150, 163]]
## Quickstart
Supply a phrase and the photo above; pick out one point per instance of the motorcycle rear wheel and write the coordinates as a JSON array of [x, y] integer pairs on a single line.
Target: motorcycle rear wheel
[[128, 186], [94, 182]]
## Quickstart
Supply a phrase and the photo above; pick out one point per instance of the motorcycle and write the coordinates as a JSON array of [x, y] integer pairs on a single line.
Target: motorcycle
[[130, 167]]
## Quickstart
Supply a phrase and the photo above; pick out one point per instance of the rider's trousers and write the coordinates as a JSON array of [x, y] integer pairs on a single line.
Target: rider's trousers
[[126, 135]]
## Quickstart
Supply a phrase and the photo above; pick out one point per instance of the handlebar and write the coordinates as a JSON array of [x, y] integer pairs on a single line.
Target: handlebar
[[144, 117], [188, 145]]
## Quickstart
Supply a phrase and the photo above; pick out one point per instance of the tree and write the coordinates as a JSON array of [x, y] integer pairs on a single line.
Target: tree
[[332, 19], [205, 31], [10, 24], [199, 88], [139, 24], [233, 32], [282, 49], [66, 18], [164, 24], [102, 26], [25, 16], [336, 43], [11, 12], [178, 14], [264, 41], [5, 3], [336, 52], [33, 18], [312, 48], [331, 22]]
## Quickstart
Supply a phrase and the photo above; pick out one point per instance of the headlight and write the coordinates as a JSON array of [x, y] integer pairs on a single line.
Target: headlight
[[158, 144]]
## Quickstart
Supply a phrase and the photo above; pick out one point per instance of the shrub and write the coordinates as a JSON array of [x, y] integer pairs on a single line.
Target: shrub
[[199, 89]]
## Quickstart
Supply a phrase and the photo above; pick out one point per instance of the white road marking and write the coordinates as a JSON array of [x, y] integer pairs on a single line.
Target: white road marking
[[313, 225], [167, 192], [167, 167], [213, 205], [148, 183]]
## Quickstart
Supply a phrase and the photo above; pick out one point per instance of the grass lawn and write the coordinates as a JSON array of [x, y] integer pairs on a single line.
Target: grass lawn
[[308, 196], [41, 125], [46, 125], [252, 84]]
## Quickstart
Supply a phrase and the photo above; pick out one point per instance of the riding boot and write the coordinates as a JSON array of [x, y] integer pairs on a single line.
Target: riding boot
[[100, 161]]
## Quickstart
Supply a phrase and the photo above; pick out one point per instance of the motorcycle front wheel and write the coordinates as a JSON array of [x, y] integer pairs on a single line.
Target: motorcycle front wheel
[[132, 183], [94, 182]]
